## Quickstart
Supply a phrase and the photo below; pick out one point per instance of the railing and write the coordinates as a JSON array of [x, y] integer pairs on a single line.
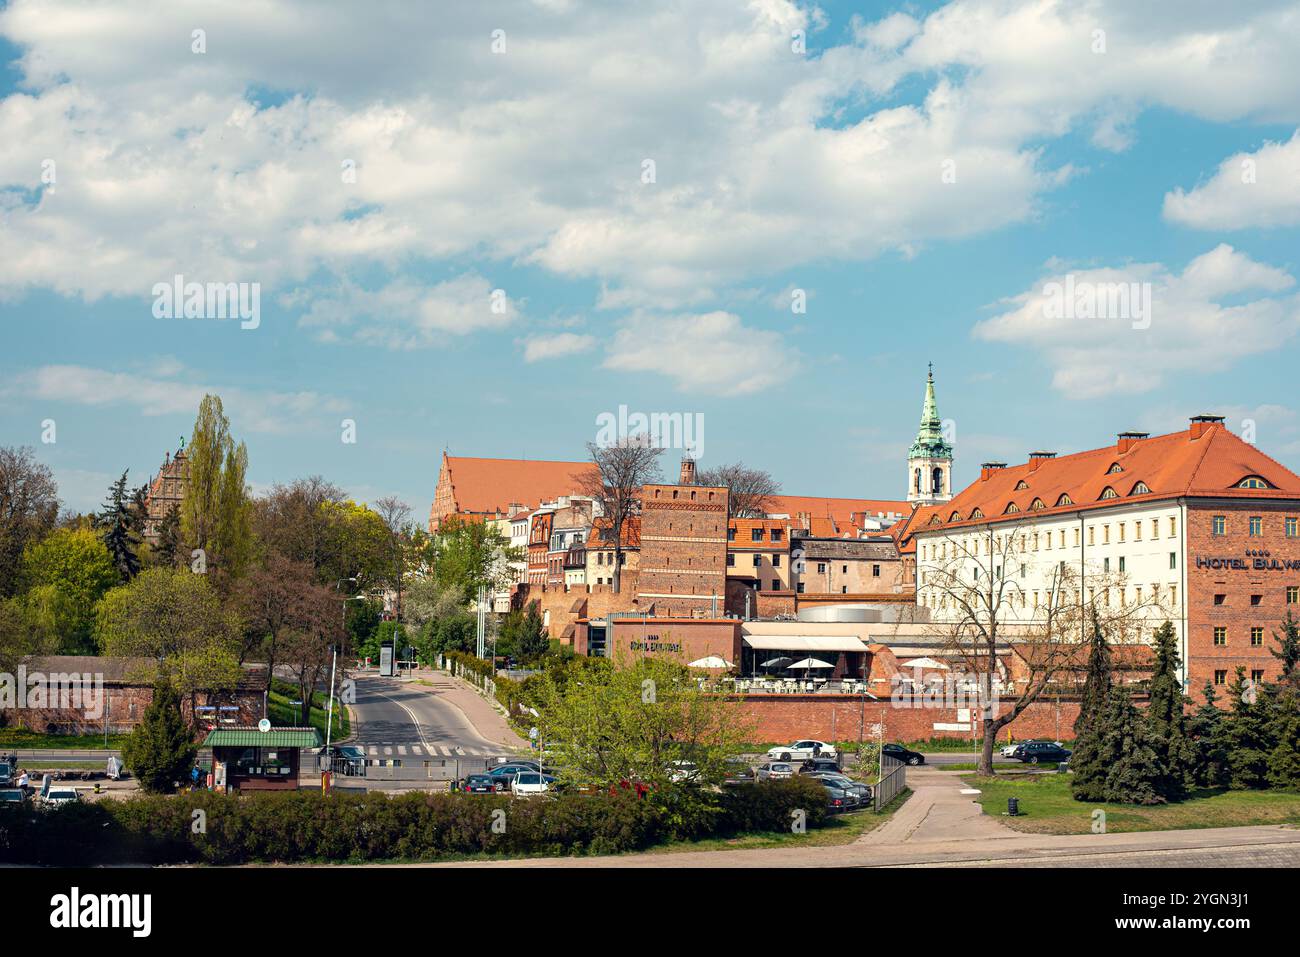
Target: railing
[[893, 779]]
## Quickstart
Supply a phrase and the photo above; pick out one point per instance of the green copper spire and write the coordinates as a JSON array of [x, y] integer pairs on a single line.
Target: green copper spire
[[929, 438]]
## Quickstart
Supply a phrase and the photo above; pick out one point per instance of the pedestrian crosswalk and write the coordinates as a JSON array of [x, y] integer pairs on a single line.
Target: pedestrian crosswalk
[[389, 750]]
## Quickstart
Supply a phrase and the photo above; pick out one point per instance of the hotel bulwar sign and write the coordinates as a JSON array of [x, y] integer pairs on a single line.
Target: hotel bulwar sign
[[1256, 559], [652, 643]]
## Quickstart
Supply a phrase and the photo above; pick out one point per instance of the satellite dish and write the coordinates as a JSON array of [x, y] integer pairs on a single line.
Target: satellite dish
[[264, 725]]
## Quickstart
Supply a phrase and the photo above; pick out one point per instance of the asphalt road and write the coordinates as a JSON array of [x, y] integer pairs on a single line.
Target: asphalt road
[[396, 719]]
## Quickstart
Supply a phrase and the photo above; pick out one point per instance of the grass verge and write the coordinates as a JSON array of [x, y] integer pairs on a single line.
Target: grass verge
[[1047, 807], [23, 738]]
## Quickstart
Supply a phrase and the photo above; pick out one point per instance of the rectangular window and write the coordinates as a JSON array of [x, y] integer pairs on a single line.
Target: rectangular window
[[1256, 637], [1220, 676], [731, 534], [1292, 594], [755, 534], [776, 586], [799, 589], [1137, 528], [1219, 525], [776, 534], [731, 559], [1121, 563], [1105, 564], [758, 560], [1220, 635], [1173, 527], [875, 571], [1155, 528], [1092, 536], [1256, 599], [821, 568], [1257, 675], [776, 561], [1173, 559], [1218, 599], [1256, 526], [1105, 534], [1291, 529], [1121, 531]]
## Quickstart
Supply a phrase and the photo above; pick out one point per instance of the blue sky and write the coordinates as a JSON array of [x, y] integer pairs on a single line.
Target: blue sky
[[521, 171]]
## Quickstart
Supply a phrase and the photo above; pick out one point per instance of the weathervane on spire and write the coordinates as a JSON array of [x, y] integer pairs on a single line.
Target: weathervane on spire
[[931, 365]]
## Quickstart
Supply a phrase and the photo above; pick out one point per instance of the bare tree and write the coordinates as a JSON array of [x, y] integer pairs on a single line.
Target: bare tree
[[621, 470], [749, 491], [396, 514], [978, 584], [29, 507]]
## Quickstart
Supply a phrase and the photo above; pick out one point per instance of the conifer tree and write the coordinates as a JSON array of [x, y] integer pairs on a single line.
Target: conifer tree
[[1288, 649], [1207, 727], [119, 536], [169, 537], [1136, 773], [1088, 767], [161, 749], [1166, 716], [1247, 738], [1284, 724]]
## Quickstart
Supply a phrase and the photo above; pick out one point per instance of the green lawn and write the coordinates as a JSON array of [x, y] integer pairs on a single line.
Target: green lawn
[[1046, 807], [284, 714], [839, 829], [23, 738]]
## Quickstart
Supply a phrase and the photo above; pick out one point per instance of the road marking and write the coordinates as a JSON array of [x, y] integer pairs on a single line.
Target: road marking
[[401, 750], [388, 751], [374, 750]]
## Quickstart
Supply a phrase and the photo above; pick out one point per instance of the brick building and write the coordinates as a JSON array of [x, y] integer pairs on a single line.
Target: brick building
[[683, 568], [166, 491], [499, 488]]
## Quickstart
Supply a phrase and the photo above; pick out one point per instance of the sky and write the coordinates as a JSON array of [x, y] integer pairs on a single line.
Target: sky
[[480, 228]]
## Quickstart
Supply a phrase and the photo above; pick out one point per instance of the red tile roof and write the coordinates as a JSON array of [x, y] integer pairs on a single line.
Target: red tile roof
[[493, 485], [842, 510], [600, 535], [1205, 461]]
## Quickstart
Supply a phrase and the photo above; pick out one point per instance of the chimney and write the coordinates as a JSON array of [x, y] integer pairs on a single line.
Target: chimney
[[1038, 458], [688, 471], [1129, 439], [988, 468], [1204, 423]]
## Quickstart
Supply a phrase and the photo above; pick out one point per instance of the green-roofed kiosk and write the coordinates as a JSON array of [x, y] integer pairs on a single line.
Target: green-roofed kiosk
[[249, 759]]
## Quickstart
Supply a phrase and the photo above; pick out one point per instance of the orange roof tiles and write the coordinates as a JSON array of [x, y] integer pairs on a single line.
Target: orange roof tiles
[[1204, 461], [630, 533], [841, 510], [493, 485]]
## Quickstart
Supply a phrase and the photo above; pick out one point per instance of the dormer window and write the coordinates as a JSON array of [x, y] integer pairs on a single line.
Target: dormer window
[[1115, 469], [977, 514], [1064, 500], [955, 517], [1140, 489], [1037, 505], [1012, 507], [1109, 492], [1253, 481], [1022, 484]]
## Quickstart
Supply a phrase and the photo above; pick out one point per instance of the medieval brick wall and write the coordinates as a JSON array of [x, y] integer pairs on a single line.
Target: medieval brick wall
[[683, 569]]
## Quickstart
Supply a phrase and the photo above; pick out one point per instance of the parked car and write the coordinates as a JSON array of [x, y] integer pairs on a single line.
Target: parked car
[[1008, 750], [12, 796], [803, 749], [861, 792], [530, 784], [838, 798], [900, 753], [813, 765], [503, 774], [6, 774], [739, 771], [1037, 752], [479, 784], [58, 796], [683, 771], [773, 771]]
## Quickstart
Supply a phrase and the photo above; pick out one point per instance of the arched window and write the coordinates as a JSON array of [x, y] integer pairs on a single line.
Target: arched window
[[936, 481], [1108, 492], [1114, 468], [1036, 505], [977, 514], [1012, 507], [917, 480], [1022, 484], [1253, 481], [1064, 500], [1140, 489], [955, 517]]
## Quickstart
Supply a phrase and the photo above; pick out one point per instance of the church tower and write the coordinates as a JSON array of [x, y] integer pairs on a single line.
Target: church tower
[[929, 460]]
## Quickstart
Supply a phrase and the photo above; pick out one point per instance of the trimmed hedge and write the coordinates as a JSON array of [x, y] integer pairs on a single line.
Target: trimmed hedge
[[293, 826]]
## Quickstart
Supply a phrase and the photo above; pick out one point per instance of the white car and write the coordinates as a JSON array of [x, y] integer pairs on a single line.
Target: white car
[[1008, 750], [530, 783], [802, 750], [679, 771], [57, 796]]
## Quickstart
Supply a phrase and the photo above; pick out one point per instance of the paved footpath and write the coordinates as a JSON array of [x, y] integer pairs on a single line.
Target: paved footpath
[[941, 827], [484, 714]]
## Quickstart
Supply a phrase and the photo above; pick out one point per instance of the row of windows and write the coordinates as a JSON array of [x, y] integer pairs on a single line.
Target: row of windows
[[1221, 636], [756, 534], [1162, 595], [1255, 526], [1221, 675], [1034, 541], [1292, 597]]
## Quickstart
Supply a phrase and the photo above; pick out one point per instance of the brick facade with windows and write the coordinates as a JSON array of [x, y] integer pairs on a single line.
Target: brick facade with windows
[[1238, 584], [683, 568]]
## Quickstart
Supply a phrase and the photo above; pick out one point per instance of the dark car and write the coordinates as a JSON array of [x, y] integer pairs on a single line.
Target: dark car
[[480, 784], [838, 798], [862, 793], [813, 765], [1038, 752], [738, 771], [503, 774], [900, 753]]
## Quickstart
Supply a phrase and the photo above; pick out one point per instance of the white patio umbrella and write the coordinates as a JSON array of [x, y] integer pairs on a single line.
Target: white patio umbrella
[[710, 661], [781, 662], [810, 663], [923, 663]]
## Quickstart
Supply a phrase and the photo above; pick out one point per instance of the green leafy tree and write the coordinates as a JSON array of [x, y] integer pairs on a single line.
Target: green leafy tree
[[216, 513], [609, 725], [21, 637], [473, 555], [1166, 714], [63, 576], [119, 532], [177, 619], [531, 642], [161, 749], [361, 621], [29, 509], [168, 553]]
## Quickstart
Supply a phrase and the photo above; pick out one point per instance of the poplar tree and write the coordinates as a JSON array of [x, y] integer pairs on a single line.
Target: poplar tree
[[215, 511]]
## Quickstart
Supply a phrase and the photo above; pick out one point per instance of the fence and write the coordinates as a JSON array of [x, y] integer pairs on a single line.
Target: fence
[[893, 779]]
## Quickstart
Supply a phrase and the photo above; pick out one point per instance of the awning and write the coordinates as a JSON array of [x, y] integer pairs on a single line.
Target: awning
[[805, 643], [252, 738]]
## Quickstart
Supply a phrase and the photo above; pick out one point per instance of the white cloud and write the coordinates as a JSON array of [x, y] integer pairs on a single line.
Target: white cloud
[[540, 348], [1249, 189], [714, 352], [163, 394], [1190, 329], [765, 159], [405, 314]]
